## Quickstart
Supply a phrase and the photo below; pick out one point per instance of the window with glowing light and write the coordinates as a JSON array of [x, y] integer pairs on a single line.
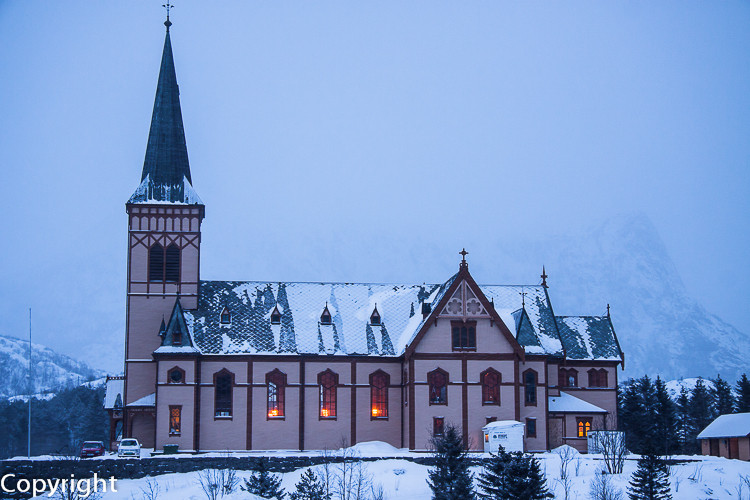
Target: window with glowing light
[[379, 382], [328, 381], [175, 420], [276, 385], [584, 426]]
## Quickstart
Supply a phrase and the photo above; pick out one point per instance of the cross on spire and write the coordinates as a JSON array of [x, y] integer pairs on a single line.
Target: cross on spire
[[463, 253], [544, 278], [167, 6], [523, 298]]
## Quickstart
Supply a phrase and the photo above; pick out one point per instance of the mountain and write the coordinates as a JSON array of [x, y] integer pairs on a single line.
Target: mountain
[[51, 371], [662, 330]]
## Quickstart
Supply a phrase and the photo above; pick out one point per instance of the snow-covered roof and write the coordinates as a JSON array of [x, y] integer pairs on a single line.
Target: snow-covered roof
[[734, 425], [149, 400], [115, 387], [502, 424], [300, 331], [151, 193], [567, 403], [588, 337]]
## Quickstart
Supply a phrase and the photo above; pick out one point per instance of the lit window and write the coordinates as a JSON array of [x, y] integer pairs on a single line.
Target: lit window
[[175, 420], [276, 382], [490, 387], [584, 426], [328, 382], [529, 380], [223, 394], [464, 335], [379, 382], [438, 382]]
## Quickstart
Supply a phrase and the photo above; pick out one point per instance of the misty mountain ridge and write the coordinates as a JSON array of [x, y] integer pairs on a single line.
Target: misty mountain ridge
[[51, 371]]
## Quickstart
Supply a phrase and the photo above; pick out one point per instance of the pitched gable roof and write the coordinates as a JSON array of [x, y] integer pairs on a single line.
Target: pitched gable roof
[[589, 337]]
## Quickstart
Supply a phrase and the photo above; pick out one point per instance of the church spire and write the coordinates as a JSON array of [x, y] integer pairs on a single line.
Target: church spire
[[166, 170]]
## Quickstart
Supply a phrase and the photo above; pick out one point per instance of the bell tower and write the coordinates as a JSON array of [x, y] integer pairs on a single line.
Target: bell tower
[[164, 234]]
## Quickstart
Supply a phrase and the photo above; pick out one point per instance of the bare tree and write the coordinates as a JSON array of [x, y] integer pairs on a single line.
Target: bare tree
[[351, 479], [611, 444], [216, 483], [603, 489], [151, 490], [566, 454]]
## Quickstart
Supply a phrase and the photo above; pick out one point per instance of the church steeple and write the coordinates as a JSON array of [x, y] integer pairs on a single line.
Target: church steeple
[[166, 170]]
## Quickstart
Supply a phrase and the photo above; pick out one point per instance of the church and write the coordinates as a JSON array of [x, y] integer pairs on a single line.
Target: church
[[251, 365]]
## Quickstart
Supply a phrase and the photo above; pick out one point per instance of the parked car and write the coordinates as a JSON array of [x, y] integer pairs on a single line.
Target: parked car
[[129, 447], [92, 449]]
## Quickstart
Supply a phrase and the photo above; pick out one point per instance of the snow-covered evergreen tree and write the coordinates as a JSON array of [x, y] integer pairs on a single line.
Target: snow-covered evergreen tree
[[512, 476], [264, 483], [723, 399], [743, 394], [650, 481], [451, 478], [309, 488], [701, 408], [684, 425]]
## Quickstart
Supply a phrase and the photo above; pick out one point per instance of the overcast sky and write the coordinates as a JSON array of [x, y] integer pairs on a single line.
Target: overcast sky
[[328, 124]]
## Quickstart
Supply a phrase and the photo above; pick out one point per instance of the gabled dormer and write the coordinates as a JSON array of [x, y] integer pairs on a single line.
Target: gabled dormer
[[275, 316], [176, 333], [225, 318], [325, 317], [375, 316]]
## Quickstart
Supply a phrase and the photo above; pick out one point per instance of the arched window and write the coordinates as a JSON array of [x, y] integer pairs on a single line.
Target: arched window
[[438, 382], [584, 426], [379, 382], [276, 384], [172, 266], [328, 381], [226, 317], [529, 384], [603, 382], [568, 378], [156, 263], [223, 382], [375, 316], [490, 387], [598, 378]]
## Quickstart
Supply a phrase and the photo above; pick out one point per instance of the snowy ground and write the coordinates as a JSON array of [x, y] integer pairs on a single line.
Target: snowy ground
[[696, 479]]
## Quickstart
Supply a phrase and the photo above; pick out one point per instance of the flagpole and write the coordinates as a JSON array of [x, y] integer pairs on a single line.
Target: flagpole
[[28, 444]]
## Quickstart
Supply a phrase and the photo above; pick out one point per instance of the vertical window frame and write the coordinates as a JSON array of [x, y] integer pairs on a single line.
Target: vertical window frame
[[463, 336], [328, 382], [530, 397], [229, 403], [584, 425], [380, 383], [156, 263], [175, 420], [491, 390], [438, 424], [172, 263], [279, 379], [432, 385]]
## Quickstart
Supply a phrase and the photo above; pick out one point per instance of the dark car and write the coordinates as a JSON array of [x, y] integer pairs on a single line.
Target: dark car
[[92, 449]]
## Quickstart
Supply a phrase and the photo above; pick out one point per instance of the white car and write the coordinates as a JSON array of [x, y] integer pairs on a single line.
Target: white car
[[129, 447]]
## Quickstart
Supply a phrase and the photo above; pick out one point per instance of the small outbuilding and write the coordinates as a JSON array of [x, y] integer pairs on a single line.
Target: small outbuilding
[[505, 433], [728, 436]]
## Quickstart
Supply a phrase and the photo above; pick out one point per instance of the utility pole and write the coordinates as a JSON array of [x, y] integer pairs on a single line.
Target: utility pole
[[31, 390]]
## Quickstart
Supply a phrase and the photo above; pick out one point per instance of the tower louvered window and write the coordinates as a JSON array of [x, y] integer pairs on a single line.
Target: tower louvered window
[[529, 381], [276, 382], [172, 266], [156, 262], [328, 382], [379, 382], [223, 394]]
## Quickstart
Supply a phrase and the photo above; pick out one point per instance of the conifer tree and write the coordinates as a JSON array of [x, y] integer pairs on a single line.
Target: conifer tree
[[701, 409], [451, 478], [683, 422], [309, 488], [264, 483], [650, 481], [723, 399], [743, 394], [512, 476], [666, 422]]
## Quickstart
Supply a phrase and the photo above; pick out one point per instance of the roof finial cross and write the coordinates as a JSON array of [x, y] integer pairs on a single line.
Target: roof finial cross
[[544, 278], [463, 253], [608, 310], [523, 298], [167, 23]]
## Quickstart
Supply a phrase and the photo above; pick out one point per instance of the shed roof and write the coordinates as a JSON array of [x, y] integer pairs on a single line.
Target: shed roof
[[567, 403], [114, 388], [733, 425]]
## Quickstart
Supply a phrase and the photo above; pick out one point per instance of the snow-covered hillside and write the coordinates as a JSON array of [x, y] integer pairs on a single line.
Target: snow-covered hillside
[[51, 371]]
